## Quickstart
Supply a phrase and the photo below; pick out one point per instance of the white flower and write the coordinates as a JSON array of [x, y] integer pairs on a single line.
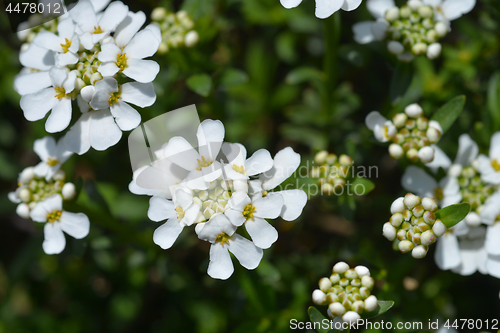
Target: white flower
[[35, 75], [253, 214], [52, 154], [179, 213], [95, 28], [449, 10], [447, 255], [221, 233], [77, 225], [56, 98], [126, 56], [489, 167], [382, 128], [325, 8], [472, 252], [239, 167], [490, 214], [65, 44]]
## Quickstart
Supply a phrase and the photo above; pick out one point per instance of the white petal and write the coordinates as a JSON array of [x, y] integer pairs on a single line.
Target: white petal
[[143, 45], [109, 52], [183, 199], [45, 148], [351, 5], [128, 28], [190, 215], [441, 160], [467, 150], [77, 139], [469, 251], [140, 94], [245, 251], [261, 161], [220, 265], [84, 15], [103, 131], [269, 206], [54, 242], [141, 70], [32, 82], [492, 243], [35, 106], [453, 9], [495, 146], [66, 28], [217, 225], [126, 116], [286, 162], [378, 7], [166, 234], [161, 209], [210, 135], [99, 5], [417, 180], [180, 152], [325, 8], [108, 69], [77, 225], [235, 216], [37, 57], [293, 203], [363, 32], [447, 255], [493, 266], [290, 3], [113, 15], [49, 40], [263, 234], [107, 85], [69, 82], [65, 59], [373, 119], [156, 31], [39, 213], [60, 117], [491, 209], [239, 200]]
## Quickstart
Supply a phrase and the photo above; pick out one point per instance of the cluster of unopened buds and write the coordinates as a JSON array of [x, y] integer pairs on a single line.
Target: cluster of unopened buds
[[347, 292], [410, 132], [33, 189], [413, 31], [414, 224], [332, 172], [176, 29]]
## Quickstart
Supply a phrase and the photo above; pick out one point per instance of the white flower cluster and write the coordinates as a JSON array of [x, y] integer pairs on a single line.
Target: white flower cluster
[[325, 8], [472, 245], [40, 193], [88, 58], [347, 292], [410, 132], [414, 224], [413, 29], [332, 172], [218, 197], [176, 29]]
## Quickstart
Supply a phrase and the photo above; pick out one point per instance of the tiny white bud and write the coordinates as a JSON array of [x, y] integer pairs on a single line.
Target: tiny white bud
[[419, 252], [325, 284], [159, 13], [419, 48], [426, 154], [392, 14], [426, 11], [27, 175], [25, 195], [351, 274], [191, 39], [371, 303], [472, 219], [318, 297], [163, 48], [434, 50], [95, 77], [411, 200], [320, 157], [362, 270], [396, 151], [345, 160], [405, 246], [87, 93], [441, 29], [415, 4], [79, 84], [395, 47], [455, 170], [398, 206], [351, 317], [68, 191], [405, 12], [340, 267], [336, 309], [367, 281], [399, 120], [429, 204], [414, 110], [23, 210], [396, 219], [389, 231], [335, 278], [59, 175], [428, 237], [439, 228], [433, 134], [240, 185]]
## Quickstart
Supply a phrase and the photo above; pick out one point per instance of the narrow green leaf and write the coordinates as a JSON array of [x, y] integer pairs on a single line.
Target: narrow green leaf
[[493, 99], [232, 77], [316, 317], [453, 214], [200, 84], [383, 307], [449, 112], [400, 81], [304, 74], [362, 186]]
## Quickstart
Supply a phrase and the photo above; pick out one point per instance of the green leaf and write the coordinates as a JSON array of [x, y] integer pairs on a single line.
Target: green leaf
[[304, 74], [232, 77], [200, 84], [316, 317], [453, 214], [400, 81], [362, 186], [383, 307], [493, 99], [449, 112]]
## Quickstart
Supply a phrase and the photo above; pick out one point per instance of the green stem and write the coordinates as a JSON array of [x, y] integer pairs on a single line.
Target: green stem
[[332, 38]]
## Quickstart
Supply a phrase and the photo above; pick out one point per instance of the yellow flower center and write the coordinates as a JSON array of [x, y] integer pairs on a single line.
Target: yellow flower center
[[180, 213], [98, 30], [239, 169], [52, 162], [203, 163], [248, 211], [54, 216], [438, 194], [114, 97], [223, 238], [60, 92], [66, 46], [121, 61], [496, 165]]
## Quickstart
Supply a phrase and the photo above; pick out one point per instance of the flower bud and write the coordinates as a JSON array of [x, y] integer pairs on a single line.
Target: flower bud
[[327, 188], [336, 309], [415, 238], [25, 195], [395, 47], [455, 170], [335, 278], [362, 270], [419, 252], [441, 29], [405, 246], [27, 175], [429, 204], [472, 219], [158, 14], [396, 219], [68, 191], [396, 151], [345, 160], [60, 175], [331, 298], [434, 50], [318, 297], [371, 303], [351, 274], [404, 12], [320, 157], [23, 210], [367, 282], [163, 48], [412, 154], [426, 11], [411, 200], [191, 39], [429, 217], [340, 267], [414, 110], [439, 228], [399, 120], [325, 284], [351, 317], [95, 77], [419, 48], [401, 234], [344, 282], [418, 211], [426, 154], [398, 206], [392, 14], [428, 238], [414, 4], [433, 134], [389, 231]]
